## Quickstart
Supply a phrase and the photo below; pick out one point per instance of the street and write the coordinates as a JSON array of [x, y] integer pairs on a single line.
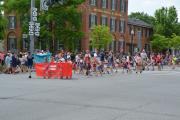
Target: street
[[152, 95]]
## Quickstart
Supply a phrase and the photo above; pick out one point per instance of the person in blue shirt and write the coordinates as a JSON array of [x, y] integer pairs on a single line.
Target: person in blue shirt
[[8, 63]]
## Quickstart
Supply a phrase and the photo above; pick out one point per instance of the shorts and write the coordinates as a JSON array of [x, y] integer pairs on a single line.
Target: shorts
[[29, 66]]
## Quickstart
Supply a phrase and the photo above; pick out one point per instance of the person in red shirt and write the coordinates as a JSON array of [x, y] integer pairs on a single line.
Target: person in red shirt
[[87, 60], [158, 61]]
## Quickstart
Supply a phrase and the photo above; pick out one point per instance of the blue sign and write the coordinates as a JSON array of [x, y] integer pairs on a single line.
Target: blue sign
[[41, 58]]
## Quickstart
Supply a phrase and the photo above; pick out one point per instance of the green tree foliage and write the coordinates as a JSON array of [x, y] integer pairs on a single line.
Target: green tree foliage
[[100, 37], [143, 16], [166, 21], [74, 3], [159, 43], [19, 6], [177, 29], [62, 22], [65, 23], [175, 42], [3, 23], [165, 27]]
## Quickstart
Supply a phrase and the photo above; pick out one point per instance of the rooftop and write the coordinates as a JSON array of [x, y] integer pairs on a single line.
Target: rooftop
[[138, 22]]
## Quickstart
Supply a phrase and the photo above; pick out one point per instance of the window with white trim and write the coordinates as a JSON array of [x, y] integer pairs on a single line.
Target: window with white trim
[[113, 5], [104, 20], [122, 26], [93, 2], [92, 20], [113, 24], [104, 3], [123, 5], [12, 22]]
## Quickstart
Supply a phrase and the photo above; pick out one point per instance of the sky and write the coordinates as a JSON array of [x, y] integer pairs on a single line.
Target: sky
[[149, 6]]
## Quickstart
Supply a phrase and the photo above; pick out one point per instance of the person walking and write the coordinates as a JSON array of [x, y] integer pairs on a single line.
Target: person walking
[[8, 63], [14, 63], [174, 59], [138, 60], [87, 60], [144, 57], [30, 63], [158, 61]]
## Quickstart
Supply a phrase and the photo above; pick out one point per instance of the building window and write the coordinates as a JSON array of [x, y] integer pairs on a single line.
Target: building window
[[113, 5], [112, 24], [122, 26], [92, 20], [92, 2], [123, 5], [12, 22], [104, 20], [142, 32], [104, 3], [147, 33]]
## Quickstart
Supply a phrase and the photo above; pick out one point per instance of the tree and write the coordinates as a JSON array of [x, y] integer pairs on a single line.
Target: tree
[[177, 29], [166, 21], [159, 43], [143, 16], [3, 23], [175, 42], [100, 37], [75, 3], [21, 8], [61, 23], [65, 23]]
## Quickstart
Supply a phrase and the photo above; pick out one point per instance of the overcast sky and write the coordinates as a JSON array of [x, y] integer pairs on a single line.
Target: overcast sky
[[149, 6]]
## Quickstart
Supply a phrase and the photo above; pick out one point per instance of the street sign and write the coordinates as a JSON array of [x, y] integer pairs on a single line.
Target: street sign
[[37, 29], [31, 28], [34, 26], [43, 5]]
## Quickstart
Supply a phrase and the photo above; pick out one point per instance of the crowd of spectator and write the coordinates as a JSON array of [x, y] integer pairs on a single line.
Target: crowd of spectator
[[88, 63]]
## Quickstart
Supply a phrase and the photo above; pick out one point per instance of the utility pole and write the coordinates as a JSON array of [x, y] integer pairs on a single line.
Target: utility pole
[[32, 36]]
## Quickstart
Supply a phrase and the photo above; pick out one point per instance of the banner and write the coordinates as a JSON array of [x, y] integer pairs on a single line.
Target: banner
[[41, 58]]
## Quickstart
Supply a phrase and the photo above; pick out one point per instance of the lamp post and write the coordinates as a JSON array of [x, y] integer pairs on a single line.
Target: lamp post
[[132, 47]]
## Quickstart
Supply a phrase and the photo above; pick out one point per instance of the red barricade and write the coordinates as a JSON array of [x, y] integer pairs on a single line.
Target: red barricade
[[40, 69], [54, 70], [66, 70]]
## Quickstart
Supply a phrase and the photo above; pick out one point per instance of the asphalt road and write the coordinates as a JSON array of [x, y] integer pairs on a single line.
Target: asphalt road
[[149, 96]]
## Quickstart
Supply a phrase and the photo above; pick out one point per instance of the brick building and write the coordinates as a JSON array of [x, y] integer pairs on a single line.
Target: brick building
[[112, 13], [138, 36], [13, 35]]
